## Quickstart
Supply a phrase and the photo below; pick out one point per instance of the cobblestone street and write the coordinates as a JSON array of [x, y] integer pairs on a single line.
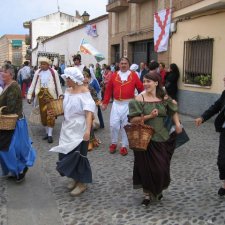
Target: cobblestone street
[[110, 199]]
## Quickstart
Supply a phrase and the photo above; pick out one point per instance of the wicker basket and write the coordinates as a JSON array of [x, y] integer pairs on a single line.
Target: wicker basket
[[57, 106], [139, 135], [7, 122]]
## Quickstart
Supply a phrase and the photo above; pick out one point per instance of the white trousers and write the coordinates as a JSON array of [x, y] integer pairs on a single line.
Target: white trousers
[[118, 119]]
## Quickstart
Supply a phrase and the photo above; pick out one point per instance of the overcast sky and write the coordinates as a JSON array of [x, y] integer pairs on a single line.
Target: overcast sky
[[14, 12]]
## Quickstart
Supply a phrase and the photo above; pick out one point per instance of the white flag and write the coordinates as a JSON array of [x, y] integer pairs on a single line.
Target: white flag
[[162, 20]]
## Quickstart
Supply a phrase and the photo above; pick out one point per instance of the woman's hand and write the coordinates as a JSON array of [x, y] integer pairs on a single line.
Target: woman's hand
[[104, 107], [154, 113], [86, 136], [178, 129]]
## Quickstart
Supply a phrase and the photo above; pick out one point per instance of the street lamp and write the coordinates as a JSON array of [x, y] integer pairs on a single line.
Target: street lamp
[[85, 17]]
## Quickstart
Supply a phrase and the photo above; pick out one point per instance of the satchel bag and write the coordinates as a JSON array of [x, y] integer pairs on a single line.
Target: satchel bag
[[182, 137], [35, 117]]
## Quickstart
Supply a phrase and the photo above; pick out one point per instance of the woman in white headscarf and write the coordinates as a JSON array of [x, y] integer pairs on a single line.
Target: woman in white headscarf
[[78, 107]]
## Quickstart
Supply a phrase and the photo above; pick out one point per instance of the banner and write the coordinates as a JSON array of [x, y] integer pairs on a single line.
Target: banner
[[87, 48], [162, 20], [91, 30]]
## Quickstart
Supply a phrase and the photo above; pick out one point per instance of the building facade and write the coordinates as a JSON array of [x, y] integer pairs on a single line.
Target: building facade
[[66, 44], [197, 47], [50, 25], [196, 44], [13, 48]]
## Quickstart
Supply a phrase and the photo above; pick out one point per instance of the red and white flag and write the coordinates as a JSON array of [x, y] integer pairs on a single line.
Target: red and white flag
[[162, 20]]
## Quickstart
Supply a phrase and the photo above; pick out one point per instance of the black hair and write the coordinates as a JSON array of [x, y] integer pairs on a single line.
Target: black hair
[[125, 58], [77, 56], [153, 65]]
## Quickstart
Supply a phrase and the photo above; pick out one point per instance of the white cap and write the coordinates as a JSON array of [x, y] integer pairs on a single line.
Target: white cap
[[134, 67], [74, 74]]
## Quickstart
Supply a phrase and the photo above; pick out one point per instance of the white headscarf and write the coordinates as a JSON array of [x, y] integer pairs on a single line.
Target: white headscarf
[[74, 74], [134, 67]]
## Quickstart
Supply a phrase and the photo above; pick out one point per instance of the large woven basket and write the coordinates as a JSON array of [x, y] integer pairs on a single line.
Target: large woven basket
[[139, 135], [7, 122], [57, 106]]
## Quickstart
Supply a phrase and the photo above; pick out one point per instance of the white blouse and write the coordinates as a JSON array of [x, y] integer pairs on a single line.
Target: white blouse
[[74, 124]]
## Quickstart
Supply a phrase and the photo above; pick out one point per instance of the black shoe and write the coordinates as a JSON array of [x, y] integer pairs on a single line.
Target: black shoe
[[21, 176], [25, 170], [50, 140], [45, 137], [159, 197], [221, 191], [146, 202]]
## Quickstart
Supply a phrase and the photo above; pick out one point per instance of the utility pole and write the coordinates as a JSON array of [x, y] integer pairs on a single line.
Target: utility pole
[[58, 5]]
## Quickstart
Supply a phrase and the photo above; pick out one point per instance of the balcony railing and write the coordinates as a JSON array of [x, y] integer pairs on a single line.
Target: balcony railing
[[136, 1], [116, 5]]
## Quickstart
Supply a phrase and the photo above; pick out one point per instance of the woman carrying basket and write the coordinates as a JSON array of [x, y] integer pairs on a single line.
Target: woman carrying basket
[[151, 170], [16, 152], [78, 107]]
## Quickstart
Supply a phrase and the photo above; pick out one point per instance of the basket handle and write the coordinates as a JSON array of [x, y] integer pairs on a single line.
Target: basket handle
[[1, 108], [142, 119]]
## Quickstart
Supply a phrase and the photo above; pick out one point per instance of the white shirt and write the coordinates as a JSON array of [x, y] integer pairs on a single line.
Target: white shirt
[[25, 72], [124, 75], [44, 78]]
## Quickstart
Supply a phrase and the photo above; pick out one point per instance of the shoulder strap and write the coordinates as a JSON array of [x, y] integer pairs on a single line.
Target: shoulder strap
[[35, 85], [53, 75], [143, 103]]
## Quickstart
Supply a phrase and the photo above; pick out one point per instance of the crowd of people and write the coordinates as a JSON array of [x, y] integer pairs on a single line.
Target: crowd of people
[[136, 92]]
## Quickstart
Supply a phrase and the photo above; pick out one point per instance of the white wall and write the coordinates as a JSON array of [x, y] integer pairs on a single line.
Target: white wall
[[52, 25], [68, 44]]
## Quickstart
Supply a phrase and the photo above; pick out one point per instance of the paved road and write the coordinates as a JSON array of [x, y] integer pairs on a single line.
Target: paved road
[[191, 198]]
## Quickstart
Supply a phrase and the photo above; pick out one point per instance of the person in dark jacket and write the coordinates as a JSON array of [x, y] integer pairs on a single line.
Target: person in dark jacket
[[171, 80], [218, 108], [142, 71]]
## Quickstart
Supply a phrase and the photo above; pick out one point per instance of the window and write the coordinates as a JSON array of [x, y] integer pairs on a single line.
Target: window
[[198, 56], [17, 58]]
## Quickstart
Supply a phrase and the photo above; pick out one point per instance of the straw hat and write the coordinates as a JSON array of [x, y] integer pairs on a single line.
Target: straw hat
[[44, 59]]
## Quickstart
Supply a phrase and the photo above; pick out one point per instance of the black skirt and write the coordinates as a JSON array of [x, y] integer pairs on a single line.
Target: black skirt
[[152, 167], [75, 164], [5, 139]]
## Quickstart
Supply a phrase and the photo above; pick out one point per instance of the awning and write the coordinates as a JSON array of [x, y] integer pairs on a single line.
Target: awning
[[17, 43]]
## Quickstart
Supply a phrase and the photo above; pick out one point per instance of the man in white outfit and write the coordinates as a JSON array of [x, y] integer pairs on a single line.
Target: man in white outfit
[[122, 85], [45, 87]]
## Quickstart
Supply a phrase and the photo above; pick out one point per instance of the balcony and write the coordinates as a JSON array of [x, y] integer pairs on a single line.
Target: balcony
[[117, 5], [136, 1]]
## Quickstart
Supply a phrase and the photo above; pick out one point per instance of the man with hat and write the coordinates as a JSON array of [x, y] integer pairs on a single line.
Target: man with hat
[[45, 87]]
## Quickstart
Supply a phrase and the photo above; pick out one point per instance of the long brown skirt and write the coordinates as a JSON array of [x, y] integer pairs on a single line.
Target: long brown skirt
[[152, 167]]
